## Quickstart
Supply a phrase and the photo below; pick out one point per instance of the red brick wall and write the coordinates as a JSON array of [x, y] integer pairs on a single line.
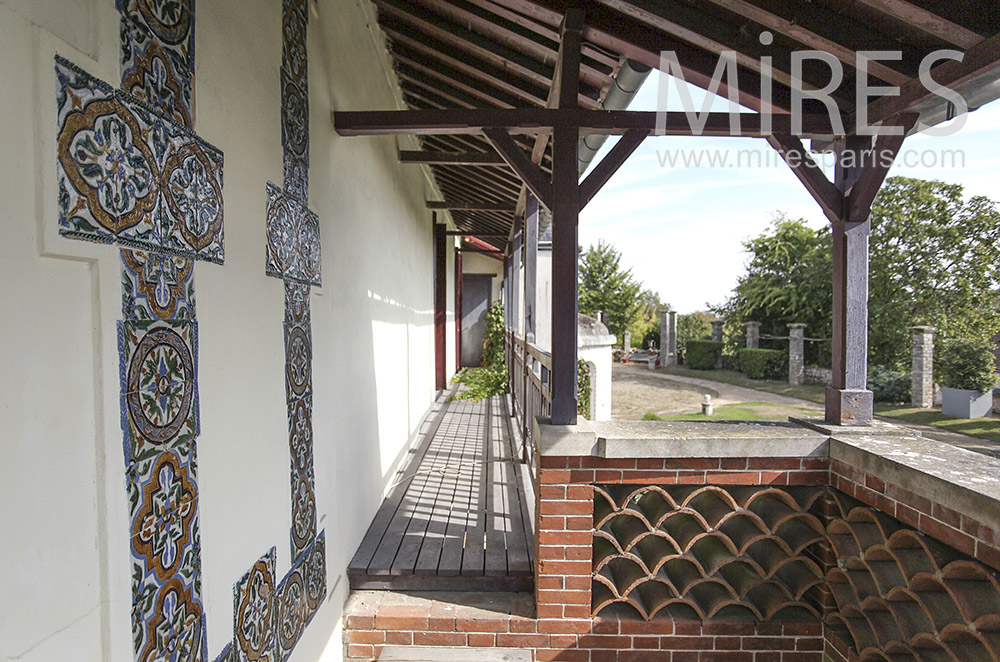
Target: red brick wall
[[598, 640], [962, 532]]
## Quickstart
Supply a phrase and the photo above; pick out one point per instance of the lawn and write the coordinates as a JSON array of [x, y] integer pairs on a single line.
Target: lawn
[[810, 392], [741, 411], [988, 427]]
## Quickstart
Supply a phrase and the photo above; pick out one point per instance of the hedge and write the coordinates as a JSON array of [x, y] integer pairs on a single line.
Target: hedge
[[702, 354], [890, 385], [764, 363], [965, 363]]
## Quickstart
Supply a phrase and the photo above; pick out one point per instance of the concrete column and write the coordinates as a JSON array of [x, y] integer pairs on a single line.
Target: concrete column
[[923, 366], [717, 337], [753, 335], [627, 343], [796, 354], [672, 337]]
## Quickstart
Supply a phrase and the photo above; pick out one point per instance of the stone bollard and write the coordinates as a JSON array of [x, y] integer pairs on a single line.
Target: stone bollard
[[706, 407], [753, 335], [717, 337], [796, 354], [627, 346], [922, 386]]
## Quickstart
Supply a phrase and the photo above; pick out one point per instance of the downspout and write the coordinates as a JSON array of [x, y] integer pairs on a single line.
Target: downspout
[[623, 88]]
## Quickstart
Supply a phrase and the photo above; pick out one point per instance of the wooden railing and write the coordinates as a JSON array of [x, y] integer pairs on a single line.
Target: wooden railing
[[529, 373]]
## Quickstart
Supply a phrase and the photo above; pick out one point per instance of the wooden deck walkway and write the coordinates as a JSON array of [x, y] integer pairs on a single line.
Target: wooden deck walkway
[[456, 518]]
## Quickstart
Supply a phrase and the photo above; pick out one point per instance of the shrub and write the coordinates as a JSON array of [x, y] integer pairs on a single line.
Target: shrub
[[965, 363], [702, 354], [764, 363], [889, 385]]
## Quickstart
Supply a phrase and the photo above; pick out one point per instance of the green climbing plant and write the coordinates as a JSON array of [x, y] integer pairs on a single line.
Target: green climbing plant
[[490, 378]]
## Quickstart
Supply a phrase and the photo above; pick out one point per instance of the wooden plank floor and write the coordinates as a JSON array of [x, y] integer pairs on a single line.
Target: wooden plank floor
[[456, 517]]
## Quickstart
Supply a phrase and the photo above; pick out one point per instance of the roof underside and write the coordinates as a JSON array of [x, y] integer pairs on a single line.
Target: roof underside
[[502, 54]]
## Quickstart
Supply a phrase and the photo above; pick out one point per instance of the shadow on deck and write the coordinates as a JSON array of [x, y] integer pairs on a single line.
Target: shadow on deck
[[457, 516]]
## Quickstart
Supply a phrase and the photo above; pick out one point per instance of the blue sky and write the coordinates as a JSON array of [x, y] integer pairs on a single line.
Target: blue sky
[[680, 228]]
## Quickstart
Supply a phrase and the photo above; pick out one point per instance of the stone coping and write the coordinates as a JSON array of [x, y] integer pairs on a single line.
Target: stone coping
[[960, 479], [680, 439], [965, 481]]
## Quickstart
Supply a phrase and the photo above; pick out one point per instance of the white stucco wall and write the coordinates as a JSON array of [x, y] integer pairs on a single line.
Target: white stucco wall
[[65, 559]]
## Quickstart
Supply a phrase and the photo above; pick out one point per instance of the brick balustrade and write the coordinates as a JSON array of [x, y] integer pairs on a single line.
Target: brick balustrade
[[938, 498]]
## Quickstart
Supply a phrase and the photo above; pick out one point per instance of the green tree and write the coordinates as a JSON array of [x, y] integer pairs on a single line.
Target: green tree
[[693, 326], [935, 260], [645, 327], [788, 279], [606, 286]]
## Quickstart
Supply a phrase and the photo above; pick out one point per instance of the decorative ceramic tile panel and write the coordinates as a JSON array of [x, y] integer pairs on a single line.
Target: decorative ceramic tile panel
[[167, 613], [128, 176], [297, 303], [157, 286], [159, 372], [255, 613], [300, 595], [293, 247]]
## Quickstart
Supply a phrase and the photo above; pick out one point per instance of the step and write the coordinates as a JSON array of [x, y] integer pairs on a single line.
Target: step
[[445, 654]]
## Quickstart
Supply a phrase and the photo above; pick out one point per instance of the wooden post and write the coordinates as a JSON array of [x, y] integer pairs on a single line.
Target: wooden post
[[530, 266], [440, 303], [515, 283], [565, 219], [848, 402], [458, 308]]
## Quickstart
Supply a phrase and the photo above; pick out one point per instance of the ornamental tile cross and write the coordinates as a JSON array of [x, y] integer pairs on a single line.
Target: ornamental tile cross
[[131, 176]]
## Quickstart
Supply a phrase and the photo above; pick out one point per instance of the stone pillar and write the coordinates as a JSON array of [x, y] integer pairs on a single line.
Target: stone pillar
[[664, 343], [627, 343], [717, 337], [753, 335], [796, 354], [671, 346], [922, 394]]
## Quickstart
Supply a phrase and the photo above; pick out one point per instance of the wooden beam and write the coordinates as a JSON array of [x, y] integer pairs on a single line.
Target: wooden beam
[[450, 158], [469, 205], [873, 174], [796, 30], [983, 58], [462, 121], [609, 165], [794, 153], [925, 21], [532, 176]]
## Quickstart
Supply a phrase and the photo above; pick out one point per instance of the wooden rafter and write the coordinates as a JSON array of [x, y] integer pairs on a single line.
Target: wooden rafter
[[451, 158], [926, 21], [469, 205], [811, 39], [981, 59]]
